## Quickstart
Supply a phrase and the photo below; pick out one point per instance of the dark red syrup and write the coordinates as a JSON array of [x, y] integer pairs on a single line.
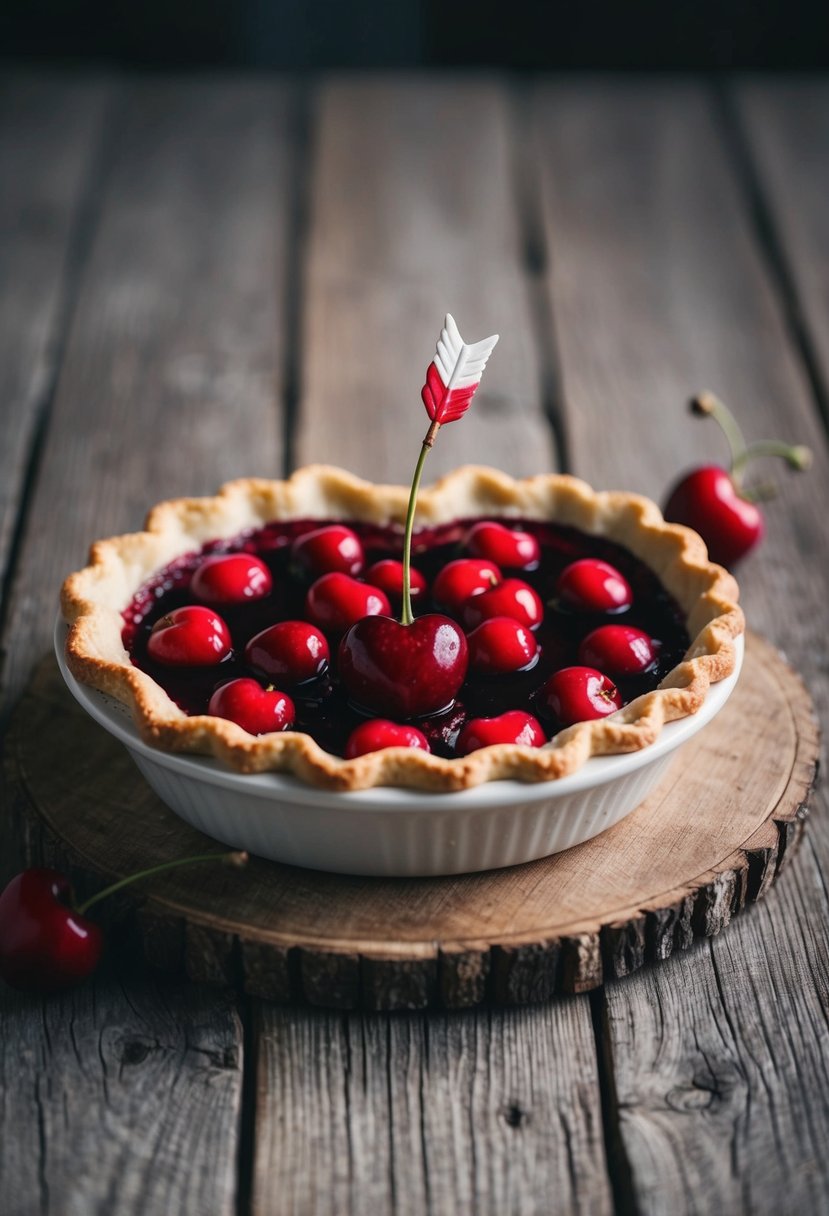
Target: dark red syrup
[[322, 707]]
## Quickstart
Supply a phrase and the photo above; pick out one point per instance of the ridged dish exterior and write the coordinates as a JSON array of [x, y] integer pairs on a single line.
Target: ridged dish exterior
[[401, 843]]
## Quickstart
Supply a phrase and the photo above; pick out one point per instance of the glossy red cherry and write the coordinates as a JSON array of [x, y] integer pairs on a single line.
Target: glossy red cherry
[[46, 941], [403, 671], [619, 650], [191, 636], [380, 733], [501, 644], [289, 652], [712, 501], [507, 547], [336, 601], [512, 597], [459, 580], [514, 726], [256, 709], [579, 694], [328, 549], [388, 576], [590, 585], [45, 945], [708, 501], [231, 578]]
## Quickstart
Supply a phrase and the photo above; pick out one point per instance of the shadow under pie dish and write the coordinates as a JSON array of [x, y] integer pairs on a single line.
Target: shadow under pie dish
[[687, 605]]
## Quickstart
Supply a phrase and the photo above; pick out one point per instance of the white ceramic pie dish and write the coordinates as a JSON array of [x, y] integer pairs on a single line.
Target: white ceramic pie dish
[[398, 832]]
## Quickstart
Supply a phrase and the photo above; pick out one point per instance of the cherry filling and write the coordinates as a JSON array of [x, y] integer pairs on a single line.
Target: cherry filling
[[321, 703]]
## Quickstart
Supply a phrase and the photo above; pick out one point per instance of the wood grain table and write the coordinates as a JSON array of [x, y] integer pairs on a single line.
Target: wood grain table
[[192, 272]]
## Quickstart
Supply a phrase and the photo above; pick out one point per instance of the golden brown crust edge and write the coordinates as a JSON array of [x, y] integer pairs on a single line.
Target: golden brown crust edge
[[92, 600]]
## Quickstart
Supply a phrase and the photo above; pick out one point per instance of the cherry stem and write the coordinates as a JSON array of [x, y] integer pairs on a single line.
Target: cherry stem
[[708, 404], [232, 859], [796, 456], [407, 616]]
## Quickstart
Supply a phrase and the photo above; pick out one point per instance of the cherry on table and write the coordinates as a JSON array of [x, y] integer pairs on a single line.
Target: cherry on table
[[256, 709], [500, 645], [462, 579], [191, 636], [335, 601], [231, 578], [403, 671], [509, 548], [708, 501], [514, 726], [714, 501], [619, 650], [45, 944], [591, 585], [579, 694], [290, 652], [387, 574], [513, 597], [333, 548], [379, 733]]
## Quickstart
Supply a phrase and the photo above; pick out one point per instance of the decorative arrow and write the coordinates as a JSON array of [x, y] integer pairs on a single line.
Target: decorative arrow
[[452, 380]]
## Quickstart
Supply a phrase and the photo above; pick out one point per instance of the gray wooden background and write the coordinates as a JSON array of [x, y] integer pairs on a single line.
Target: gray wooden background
[[191, 274]]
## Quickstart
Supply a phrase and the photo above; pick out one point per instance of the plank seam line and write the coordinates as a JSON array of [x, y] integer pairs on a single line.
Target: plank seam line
[[82, 229], [302, 129], [769, 240], [535, 258], [619, 1171], [246, 1147]]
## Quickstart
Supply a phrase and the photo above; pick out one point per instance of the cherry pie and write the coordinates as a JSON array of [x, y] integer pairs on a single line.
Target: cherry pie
[[551, 624]]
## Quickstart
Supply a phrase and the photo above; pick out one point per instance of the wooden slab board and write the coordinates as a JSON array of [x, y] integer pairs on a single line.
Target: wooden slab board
[[710, 840]]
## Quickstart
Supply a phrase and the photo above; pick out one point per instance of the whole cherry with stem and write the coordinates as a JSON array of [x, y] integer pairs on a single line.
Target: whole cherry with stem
[[715, 502], [47, 942], [410, 668]]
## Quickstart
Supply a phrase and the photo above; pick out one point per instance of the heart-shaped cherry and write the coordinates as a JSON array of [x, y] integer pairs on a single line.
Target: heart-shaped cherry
[[509, 548], [500, 645], [192, 636], [403, 671], [336, 601], [459, 580], [290, 652], [379, 733], [713, 500], [256, 709], [579, 694], [328, 549], [231, 578], [47, 943], [513, 597], [514, 726], [388, 576], [620, 650], [590, 585]]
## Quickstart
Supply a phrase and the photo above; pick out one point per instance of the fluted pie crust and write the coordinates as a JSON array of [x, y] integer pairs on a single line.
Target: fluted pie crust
[[93, 599]]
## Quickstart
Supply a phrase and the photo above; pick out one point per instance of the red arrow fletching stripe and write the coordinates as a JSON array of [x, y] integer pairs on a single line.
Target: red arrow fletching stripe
[[454, 374]]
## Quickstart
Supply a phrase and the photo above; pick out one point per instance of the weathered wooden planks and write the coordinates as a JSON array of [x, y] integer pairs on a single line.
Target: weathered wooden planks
[[170, 382], [49, 134], [786, 127], [120, 1097], [659, 289], [451, 1113], [413, 214]]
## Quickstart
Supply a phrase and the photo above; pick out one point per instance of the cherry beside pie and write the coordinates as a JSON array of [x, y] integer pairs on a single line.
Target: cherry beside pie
[[551, 624]]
